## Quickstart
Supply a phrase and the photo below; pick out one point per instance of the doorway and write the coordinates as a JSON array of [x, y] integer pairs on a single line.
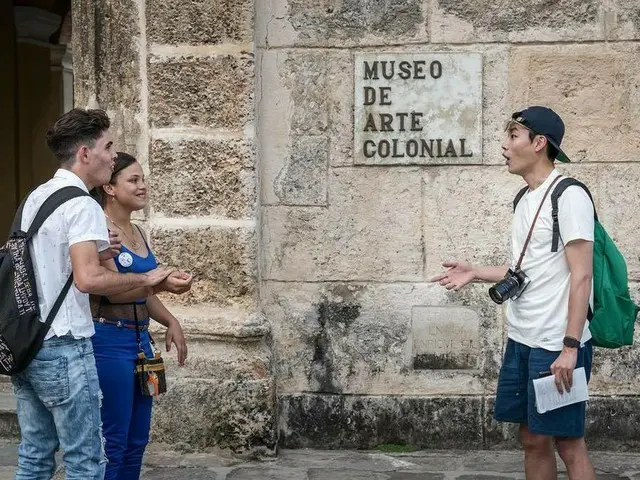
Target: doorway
[[36, 87]]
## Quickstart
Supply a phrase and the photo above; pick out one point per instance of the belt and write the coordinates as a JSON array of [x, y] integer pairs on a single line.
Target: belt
[[120, 324]]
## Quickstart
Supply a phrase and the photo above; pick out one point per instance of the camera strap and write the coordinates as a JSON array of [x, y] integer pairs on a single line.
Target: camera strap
[[533, 223]]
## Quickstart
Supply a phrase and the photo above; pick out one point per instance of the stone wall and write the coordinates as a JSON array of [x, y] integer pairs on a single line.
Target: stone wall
[[346, 250], [178, 80], [311, 321]]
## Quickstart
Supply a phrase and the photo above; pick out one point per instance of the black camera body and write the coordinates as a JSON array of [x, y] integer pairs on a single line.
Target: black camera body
[[510, 287]]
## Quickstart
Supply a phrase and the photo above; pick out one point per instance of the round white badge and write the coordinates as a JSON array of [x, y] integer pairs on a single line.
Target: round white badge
[[125, 259]]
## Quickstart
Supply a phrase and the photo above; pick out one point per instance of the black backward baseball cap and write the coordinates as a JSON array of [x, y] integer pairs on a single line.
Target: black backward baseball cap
[[546, 122]]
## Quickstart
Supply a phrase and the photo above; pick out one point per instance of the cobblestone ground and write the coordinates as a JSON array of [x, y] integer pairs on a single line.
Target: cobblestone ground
[[164, 464]]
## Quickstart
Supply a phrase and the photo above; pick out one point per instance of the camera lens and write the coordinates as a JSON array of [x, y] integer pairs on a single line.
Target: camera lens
[[504, 289]]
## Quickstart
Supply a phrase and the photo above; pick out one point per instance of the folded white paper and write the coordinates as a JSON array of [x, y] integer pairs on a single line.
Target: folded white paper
[[548, 397]]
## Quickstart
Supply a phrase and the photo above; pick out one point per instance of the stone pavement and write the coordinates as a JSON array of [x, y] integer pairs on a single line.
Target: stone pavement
[[164, 464]]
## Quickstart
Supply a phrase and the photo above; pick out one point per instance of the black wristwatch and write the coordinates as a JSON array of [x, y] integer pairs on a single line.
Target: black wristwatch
[[571, 342]]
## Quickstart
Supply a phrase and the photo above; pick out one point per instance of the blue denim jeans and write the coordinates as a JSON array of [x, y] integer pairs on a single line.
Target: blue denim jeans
[[59, 405], [125, 412]]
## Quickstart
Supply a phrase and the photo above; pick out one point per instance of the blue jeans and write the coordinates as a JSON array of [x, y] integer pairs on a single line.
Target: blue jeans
[[126, 414], [59, 405]]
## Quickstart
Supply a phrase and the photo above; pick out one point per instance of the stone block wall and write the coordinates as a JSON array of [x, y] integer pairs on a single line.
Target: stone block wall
[[311, 321], [346, 250], [178, 80]]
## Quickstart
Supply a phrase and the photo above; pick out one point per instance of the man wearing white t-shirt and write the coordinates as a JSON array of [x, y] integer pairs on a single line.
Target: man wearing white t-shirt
[[546, 313], [58, 393]]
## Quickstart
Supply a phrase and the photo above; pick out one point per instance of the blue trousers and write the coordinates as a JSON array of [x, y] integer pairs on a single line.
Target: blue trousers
[[126, 414], [59, 404]]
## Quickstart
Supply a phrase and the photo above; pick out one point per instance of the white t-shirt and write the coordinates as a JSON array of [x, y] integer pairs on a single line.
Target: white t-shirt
[[77, 220], [538, 318]]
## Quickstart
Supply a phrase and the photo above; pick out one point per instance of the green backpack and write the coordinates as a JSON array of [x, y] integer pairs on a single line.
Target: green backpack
[[614, 313]]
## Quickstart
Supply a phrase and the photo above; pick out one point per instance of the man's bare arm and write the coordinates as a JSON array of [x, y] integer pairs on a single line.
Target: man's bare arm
[[91, 277], [459, 274], [580, 261]]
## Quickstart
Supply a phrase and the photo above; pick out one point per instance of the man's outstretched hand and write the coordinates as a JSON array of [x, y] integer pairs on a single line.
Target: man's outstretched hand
[[458, 274]]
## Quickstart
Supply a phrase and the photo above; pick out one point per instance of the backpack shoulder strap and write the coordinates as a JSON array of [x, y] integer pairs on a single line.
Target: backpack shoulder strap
[[520, 194], [50, 204], [555, 195], [16, 226], [48, 207]]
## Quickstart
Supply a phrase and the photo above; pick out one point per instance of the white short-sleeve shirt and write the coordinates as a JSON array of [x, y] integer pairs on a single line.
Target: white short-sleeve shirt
[[538, 318], [77, 220]]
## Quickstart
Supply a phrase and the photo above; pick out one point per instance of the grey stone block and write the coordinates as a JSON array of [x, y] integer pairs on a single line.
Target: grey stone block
[[334, 421], [212, 92], [266, 473], [179, 474], [199, 21], [202, 177]]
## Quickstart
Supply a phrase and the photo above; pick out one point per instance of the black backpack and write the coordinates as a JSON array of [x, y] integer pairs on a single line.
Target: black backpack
[[21, 331]]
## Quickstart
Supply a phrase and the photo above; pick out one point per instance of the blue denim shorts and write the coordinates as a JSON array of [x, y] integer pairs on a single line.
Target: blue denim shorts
[[515, 398]]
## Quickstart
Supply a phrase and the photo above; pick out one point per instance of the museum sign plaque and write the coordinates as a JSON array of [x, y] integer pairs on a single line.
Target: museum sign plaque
[[418, 108]]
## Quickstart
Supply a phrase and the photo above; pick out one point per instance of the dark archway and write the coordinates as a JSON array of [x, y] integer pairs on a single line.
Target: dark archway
[[35, 88]]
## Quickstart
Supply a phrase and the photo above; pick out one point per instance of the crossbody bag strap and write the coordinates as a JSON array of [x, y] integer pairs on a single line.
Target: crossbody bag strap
[[138, 339], [135, 319], [533, 223]]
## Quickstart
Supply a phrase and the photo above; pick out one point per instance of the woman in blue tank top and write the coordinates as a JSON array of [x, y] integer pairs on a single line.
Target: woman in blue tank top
[[126, 413]]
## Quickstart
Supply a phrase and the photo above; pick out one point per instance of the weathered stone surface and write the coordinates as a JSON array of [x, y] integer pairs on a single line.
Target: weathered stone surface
[[203, 413], [212, 92], [306, 76], [494, 102], [494, 461], [617, 198], [356, 338], [334, 421], [479, 477], [329, 474], [199, 22], [9, 426], [215, 359], [371, 230], [222, 261], [266, 473], [622, 20], [467, 21], [204, 321], [179, 474], [593, 88], [202, 177], [346, 23], [311, 89], [613, 423], [453, 230], [303, 180], [444, 337], [416, 476], [109, 74]]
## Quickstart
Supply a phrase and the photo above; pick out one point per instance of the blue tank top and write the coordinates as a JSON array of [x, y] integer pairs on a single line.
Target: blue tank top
[[128, 261]]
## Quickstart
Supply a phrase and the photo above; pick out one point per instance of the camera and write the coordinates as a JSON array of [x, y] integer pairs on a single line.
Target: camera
[[510, 287]]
